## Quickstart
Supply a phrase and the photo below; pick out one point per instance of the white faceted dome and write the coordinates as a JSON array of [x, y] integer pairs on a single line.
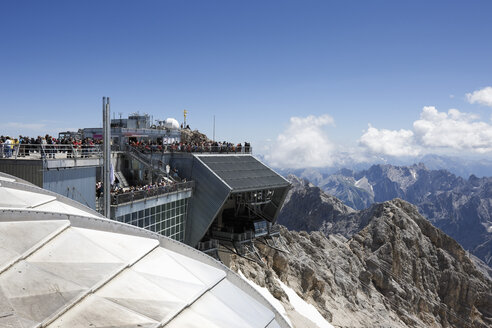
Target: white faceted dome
[[171, 123]]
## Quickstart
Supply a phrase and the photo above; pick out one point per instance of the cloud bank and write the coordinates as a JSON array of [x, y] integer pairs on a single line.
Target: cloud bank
[[435, 131], [482, 96], [389, 142], [304, 143]]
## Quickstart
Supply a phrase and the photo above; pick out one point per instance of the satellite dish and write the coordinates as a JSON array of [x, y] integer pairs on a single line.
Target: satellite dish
[[168, 168]]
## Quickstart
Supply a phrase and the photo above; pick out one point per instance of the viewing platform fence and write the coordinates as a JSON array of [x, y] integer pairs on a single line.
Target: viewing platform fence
[[209, 245], [157, 149], [49, 151], [131, 196], [233, 237]]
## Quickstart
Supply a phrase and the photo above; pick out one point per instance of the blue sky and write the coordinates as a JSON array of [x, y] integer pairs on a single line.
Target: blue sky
[[252, 64]]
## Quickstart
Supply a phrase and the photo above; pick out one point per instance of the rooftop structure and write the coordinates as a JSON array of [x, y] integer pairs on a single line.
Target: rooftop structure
[[222, 195], [64, 265], [137, 127]]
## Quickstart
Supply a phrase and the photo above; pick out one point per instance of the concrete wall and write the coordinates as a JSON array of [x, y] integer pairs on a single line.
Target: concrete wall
[[209, 196], [182, 161], [29, 170], [76, 183]]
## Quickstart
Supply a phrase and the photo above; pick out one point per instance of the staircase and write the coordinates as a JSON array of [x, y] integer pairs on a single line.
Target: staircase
[[143, 159], [122, 179]]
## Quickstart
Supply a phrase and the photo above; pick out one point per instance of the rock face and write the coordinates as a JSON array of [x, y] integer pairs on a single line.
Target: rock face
[[308, 208], [194, 137], [397, 271], [462, 208]]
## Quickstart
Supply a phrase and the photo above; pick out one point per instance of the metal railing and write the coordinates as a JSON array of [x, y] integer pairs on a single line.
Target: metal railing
[[131, 196], [208, 245], [274, 230], [156, 149], [47, 151], [231, 236]]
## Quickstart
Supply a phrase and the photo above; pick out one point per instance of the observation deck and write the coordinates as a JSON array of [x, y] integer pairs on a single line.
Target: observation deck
[[66, 169]]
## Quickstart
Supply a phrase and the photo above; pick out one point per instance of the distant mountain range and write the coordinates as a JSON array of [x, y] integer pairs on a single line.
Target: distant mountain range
[[463, 167], [460, 207]]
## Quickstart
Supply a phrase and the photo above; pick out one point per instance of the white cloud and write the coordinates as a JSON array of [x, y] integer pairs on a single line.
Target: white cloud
[[435, 131], [389, 142], [482, 96], [304, 143], [453, 130]]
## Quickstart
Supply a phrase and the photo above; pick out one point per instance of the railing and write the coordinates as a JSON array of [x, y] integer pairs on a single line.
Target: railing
[[142, 158], [47, 151], [231, 236], [274, 230], [208, 245], [156, 149], [131, 196]]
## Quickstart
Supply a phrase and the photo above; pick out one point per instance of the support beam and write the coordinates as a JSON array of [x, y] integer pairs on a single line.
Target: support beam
[[107, 158]]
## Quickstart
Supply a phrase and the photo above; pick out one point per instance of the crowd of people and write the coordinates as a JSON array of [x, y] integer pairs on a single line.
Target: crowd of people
[[47, 146], [190, 147], [138, 191]]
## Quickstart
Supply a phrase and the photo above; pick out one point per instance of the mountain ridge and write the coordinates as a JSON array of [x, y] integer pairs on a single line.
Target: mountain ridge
[[460, 207], [398, 270]]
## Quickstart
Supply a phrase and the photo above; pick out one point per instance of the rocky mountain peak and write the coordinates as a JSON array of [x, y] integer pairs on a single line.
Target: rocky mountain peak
[[309, 202], [416, 266], [397, 271], [460, 207]]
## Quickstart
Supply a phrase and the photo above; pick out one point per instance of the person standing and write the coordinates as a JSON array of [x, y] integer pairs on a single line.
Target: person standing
[[8, 147]]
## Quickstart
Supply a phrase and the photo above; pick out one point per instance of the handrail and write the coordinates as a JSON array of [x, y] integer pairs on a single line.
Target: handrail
[[49, 151], [233, 236], [208, 245], [145, 160], [130, 196], [157, 149]]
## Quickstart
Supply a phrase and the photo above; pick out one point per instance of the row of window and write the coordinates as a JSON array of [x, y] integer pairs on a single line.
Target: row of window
[[167, 219]]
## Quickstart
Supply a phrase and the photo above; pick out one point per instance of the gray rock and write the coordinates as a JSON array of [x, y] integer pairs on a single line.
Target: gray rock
[[397, 271]]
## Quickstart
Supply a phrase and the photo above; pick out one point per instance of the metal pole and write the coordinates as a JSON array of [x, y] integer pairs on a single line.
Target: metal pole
[[106, 158], [213, 138]]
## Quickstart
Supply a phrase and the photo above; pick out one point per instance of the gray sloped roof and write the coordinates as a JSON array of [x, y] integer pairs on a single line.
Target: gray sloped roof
[[65, 266], [243, 172]]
